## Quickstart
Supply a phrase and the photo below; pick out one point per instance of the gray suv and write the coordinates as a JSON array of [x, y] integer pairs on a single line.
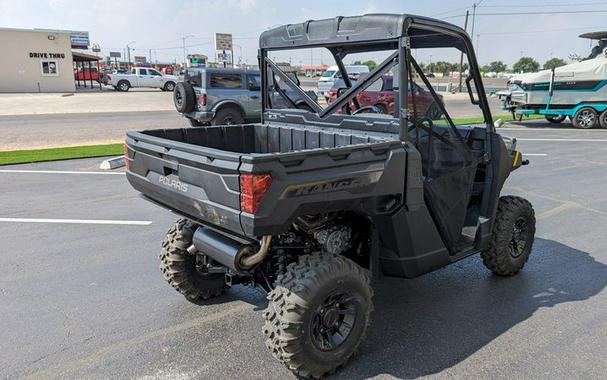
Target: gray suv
[[223, 96]]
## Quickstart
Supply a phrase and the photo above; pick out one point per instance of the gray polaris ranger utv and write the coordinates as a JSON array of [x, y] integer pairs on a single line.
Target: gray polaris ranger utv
[[309, 205]]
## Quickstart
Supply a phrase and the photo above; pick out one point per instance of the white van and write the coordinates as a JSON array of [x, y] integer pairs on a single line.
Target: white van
[[332, 74]]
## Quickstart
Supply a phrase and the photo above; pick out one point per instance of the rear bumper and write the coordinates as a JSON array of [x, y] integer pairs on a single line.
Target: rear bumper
[[201, 116]]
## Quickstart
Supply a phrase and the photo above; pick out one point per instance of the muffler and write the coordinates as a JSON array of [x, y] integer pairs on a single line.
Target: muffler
[[227, 252]]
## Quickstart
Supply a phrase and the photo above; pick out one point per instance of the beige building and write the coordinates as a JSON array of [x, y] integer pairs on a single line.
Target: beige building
[[36, 61]]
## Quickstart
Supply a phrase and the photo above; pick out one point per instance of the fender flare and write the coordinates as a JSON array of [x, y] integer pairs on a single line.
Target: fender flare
[[228, 103]]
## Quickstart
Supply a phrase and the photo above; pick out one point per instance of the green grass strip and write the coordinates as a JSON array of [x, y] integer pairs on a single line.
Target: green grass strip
[[54, 154], [480, 120]]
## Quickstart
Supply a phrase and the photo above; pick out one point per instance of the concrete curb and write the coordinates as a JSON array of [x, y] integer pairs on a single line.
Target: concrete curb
[[112, 163]]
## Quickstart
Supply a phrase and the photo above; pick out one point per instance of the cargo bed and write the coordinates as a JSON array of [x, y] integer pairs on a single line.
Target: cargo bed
[[196, 171]]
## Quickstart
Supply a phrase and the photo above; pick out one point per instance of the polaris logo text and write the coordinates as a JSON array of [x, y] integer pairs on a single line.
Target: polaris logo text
[[175, 184]]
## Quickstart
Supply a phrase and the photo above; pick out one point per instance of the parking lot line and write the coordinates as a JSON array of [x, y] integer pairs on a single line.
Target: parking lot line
[[535, 154], [564, 140], [58, 172], [77, 221]]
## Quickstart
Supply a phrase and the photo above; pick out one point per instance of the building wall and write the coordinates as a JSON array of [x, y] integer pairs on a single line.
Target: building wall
[[23, 54]]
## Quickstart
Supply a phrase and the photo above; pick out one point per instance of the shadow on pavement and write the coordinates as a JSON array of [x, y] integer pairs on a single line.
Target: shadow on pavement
[[431, 323], [539, 124]]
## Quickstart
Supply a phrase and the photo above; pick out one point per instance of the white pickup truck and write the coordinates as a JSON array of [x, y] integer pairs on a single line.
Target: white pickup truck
[[142, 77]]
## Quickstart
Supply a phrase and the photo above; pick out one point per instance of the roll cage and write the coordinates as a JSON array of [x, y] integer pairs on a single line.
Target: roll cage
[[373, 32]]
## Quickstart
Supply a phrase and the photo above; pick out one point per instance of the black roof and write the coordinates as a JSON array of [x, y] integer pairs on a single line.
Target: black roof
[[368, 31]]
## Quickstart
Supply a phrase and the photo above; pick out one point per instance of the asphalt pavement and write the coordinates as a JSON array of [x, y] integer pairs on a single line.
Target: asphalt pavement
[[82, 300], [89, 128]]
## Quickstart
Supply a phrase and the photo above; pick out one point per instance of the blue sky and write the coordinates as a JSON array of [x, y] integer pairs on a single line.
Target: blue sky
[[159, 25]]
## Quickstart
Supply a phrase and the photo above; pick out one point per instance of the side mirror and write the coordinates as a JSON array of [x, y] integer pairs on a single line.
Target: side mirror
[[498, 123]]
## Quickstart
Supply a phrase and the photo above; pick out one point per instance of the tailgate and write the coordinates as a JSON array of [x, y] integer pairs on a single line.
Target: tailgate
[[197, 182]]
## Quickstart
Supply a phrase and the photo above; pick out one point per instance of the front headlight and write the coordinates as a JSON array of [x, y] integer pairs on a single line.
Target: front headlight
[[510, 143]]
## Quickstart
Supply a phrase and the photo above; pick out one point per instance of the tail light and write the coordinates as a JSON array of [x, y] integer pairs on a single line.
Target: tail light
[[253, 187], [203, 99], [127, 163]]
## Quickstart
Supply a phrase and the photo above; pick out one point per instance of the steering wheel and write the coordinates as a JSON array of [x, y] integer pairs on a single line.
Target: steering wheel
[[367, 109]]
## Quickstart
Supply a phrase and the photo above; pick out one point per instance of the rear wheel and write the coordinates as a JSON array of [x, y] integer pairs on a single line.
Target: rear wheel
[[555, 118], [124, 85], [169, 86], [513, 234], [585, 118], [228, 116], [180, 268], [603, 119], [318, 314]]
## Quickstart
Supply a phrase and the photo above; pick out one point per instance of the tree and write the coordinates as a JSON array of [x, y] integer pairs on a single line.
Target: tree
[[553, 63], [371, 64], [526, 65], [495, 67]]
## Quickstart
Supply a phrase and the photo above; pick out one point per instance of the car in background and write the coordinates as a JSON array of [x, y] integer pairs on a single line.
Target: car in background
[[224, 96], [382, 95], [141, 77], [86, 73], [332, 75]]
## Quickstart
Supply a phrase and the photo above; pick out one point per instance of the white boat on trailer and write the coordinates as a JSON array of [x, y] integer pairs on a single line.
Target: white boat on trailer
[[577, 91]]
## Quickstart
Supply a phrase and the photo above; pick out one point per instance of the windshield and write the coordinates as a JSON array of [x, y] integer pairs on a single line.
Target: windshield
[[328, 73]]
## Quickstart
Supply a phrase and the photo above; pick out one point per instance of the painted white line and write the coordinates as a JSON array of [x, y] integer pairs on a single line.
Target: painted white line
[[534, 154], [565, 140], [77, 221], [58, 172], [551, 129]]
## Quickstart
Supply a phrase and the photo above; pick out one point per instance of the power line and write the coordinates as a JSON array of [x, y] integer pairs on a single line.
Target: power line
[[532, 13], [543, 5]]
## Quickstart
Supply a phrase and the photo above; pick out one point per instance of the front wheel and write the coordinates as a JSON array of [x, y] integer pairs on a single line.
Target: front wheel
[[556, 118], [318, 314], [181, 269], [513, 235]]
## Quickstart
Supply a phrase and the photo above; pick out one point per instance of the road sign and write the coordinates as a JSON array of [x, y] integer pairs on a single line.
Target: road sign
[[223, 41], [140, 59], [224, 57], [115, 54]]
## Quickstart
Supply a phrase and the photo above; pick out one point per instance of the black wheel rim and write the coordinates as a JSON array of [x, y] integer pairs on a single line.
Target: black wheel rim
[[518, 243], [228, 120], [178, 98], [333, 321]]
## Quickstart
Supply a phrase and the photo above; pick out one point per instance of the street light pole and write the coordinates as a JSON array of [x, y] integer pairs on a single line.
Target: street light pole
[[128, 53], [184, 55]]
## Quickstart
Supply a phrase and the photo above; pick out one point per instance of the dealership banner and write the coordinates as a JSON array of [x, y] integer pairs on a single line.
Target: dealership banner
[[80, 40]]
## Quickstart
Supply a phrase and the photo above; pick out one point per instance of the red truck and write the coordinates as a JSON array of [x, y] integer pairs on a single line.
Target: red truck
[[87, 74], [381, 95]]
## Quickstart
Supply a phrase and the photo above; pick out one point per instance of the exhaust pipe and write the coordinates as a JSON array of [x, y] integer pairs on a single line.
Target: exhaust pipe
[[228, 252]]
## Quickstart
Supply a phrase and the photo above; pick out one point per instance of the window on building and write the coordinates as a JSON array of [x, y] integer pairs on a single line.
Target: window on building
[[226, 80], [49, 68]]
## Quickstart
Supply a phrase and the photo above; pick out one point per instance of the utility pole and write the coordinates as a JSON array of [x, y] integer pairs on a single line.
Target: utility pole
[[461, 58], [474, 17]]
